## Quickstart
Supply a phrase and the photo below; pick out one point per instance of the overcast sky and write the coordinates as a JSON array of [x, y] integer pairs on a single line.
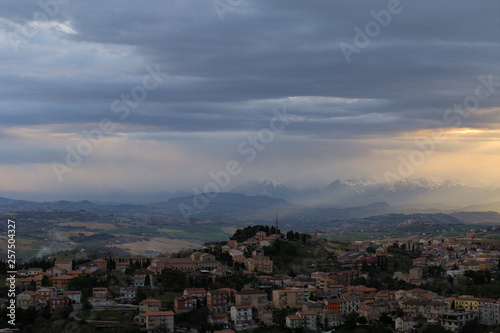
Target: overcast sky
[[356, 102]]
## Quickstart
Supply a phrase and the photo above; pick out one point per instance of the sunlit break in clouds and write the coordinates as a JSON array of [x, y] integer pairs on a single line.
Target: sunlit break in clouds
[[120, 101]]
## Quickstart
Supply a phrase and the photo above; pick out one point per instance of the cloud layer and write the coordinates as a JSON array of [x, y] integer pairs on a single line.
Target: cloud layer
[[67, 65]]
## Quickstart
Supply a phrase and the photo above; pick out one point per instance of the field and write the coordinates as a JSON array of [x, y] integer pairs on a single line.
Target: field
[[43, 233]]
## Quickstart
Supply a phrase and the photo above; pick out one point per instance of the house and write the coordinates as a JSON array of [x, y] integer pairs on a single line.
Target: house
[[88, 267], [160, 321], [349, 304], [266, 316], [381, 251], [241, 315], [294, 321], [199, 293], [218, 301], [61, 282], [259, 264], [45, 293], [333, 304], [293, 298], [122, 266], [26, 299], [416, 273], [101, 264], [185, 304], [99, 294], [330, 317], [405, 324], [64, 264], [75, 273], [34, 271], [58, 303], [56, 271], [489, 314], [454, 321], [74, 295], [128, 293], [220, 319], [141, 276], [254, 298], [309, 319], [370, 313], [148, 305]]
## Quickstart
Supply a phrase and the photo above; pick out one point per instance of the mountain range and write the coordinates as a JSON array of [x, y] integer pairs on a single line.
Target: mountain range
[[422, 193]]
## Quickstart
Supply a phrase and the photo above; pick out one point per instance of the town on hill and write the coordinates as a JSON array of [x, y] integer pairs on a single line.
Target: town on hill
[[264, 279]]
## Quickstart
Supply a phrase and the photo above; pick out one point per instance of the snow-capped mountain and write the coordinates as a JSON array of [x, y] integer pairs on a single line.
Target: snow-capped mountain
[[432, 192]]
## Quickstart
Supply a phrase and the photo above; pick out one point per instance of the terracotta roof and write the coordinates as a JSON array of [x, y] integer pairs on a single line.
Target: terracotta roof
[[150, 300], [160, 313]]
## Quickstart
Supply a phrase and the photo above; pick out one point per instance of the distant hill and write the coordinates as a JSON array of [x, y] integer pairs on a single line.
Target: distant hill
[[492, 206]]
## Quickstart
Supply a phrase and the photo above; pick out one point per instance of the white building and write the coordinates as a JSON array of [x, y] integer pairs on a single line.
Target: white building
[[241, 315]]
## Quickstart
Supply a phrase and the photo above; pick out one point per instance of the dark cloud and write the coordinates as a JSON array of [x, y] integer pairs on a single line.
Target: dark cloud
[[226, 76]]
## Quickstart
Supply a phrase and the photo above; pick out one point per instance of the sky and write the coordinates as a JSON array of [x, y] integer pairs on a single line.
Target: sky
[[118, 100]]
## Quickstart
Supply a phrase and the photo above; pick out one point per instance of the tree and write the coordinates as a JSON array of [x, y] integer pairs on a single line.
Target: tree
[[350, 320], [147, 281], [45, 281], [362, 320], [364, 266], [370, 249]]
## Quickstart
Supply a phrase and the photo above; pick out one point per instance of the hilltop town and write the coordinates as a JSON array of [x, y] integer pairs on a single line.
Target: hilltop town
[[266, 280]]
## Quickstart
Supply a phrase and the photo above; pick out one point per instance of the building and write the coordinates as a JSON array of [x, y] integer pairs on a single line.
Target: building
[[101, 264], [404, 324], [61, 282], [349, 304], [34, 271], [100, 294], [416, 273], [294, 321], [467, 302], [74, 296], [122, 266], [58, 303], [330, 318], [199, 293], [333, 304], [185, 304], [26, 299], [148, 305], [128, 293], [160, 321], [309, 319], [454, 321], [45, 293], [66, 265], [254, 298], [219, 301], [56, 271], [489, 314], [266, 316], [197, 261], [220, 319], [370, 313], [291, 298], [141, 278], [241, 315], [259, 264]]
